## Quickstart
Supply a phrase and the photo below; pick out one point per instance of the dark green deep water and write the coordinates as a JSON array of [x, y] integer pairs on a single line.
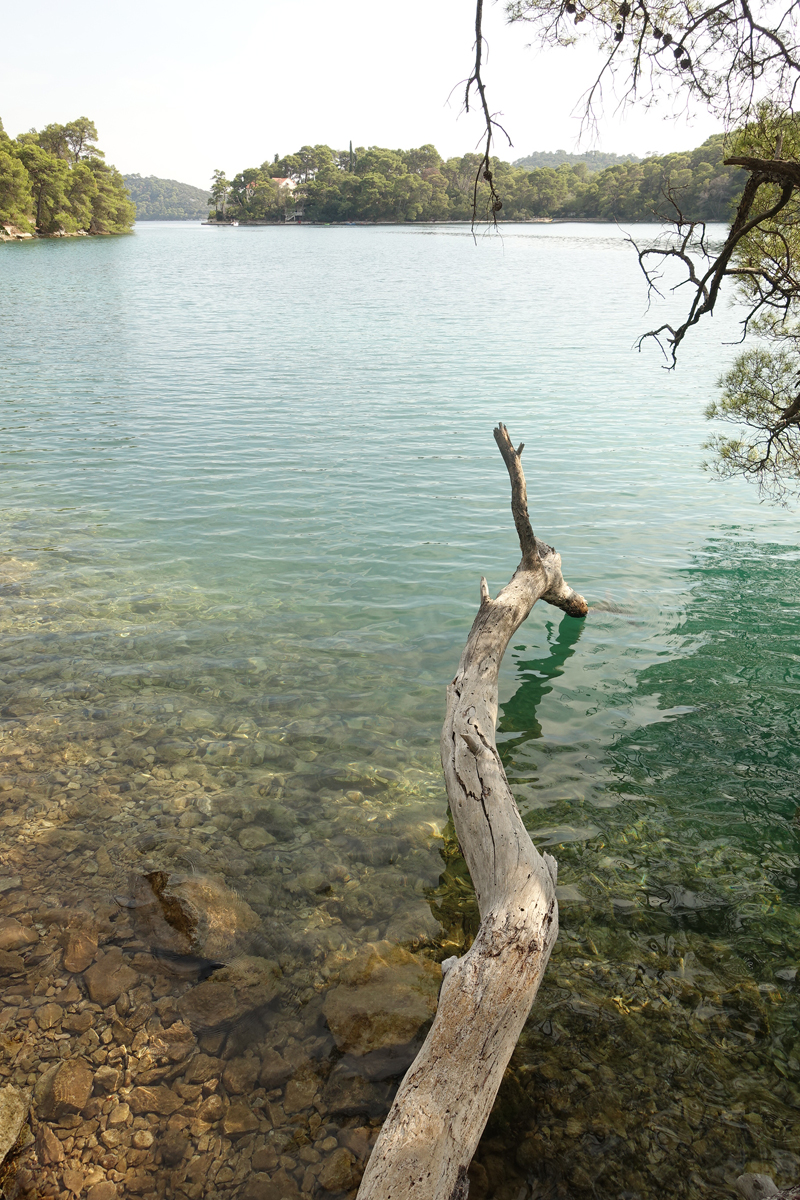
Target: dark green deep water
[[247, 489]]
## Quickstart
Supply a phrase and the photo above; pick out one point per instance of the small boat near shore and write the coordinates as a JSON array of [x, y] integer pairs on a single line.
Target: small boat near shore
[[220, 224]]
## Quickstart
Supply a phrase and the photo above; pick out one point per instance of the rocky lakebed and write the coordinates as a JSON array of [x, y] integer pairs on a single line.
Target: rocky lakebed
[[227, 884]]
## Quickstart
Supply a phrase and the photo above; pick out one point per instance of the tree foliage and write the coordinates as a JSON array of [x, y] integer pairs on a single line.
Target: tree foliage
[[55, 180], [725, 56], [595, 160], [419, 185], [166, 199], [759, 395]]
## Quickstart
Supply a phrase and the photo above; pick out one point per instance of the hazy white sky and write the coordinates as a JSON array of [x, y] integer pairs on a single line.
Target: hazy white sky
[[177, 89]]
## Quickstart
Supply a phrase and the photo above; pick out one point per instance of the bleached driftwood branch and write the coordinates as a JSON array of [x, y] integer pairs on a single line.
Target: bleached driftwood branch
[[430, 1135], [753, 1186]]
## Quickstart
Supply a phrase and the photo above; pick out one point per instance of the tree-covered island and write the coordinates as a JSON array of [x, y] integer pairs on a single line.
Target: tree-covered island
[[380, 185], [55, 182]]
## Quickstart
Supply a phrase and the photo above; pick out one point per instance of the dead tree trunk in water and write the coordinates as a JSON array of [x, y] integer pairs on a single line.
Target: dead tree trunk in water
[[431, 1133]]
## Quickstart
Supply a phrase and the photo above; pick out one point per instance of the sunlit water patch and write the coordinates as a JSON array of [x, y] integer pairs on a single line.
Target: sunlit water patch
[[248, 490]]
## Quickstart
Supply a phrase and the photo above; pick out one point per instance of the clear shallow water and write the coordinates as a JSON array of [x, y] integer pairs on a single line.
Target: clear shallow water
[[248, 489]]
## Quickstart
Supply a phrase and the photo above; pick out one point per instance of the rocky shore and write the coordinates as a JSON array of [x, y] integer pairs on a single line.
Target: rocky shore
[[12, 233]]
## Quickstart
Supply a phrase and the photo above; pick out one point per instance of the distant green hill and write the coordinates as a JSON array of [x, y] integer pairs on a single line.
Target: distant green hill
[[596, 160], [166, 199]]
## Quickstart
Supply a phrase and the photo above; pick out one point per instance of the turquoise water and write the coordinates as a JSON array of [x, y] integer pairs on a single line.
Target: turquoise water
[[248, 489]]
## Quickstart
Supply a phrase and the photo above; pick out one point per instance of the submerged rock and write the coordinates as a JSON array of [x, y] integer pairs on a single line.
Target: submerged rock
[[10, 963], [386, 996], [14, 1105], [202, 1068], [16, 936], [209, 1004], [79, 951], [239, 1120], [64, 1089], [214, 921], [340, 1172], [154, 1099], [274, 1070], [255, 837], [246, 984], [251, 971], [240, 1075], [300, 1093], [109, 977], [350, 1095], [48, 1147]]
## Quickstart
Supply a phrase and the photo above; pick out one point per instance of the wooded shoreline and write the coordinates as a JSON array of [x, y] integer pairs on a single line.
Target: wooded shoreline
[[418, 224]]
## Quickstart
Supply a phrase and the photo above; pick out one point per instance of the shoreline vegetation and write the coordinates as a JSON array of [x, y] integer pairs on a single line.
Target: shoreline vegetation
[[464, 222], [319, 185], [54, 182]]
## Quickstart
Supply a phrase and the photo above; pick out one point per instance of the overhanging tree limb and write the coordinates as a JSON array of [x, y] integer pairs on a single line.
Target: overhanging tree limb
[[430, 1135], [689, 248], [475, 82]]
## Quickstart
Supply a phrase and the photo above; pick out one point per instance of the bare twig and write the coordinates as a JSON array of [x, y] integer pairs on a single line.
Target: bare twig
[[475, 84]]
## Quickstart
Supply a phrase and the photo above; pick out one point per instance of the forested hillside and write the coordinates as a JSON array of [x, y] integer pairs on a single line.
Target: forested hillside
[[166, 199], [596, 160], [55, 181], [377, 184]]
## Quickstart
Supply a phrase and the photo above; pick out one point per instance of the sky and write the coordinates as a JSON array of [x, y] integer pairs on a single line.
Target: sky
[[178, 89]]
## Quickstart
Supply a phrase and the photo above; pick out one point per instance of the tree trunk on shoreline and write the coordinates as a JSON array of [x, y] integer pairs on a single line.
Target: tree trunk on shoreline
[[434, 1126]]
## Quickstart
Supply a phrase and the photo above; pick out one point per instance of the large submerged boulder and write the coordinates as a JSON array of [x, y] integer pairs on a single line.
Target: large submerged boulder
[[244, 985], [192, 914], [384, 1000]]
